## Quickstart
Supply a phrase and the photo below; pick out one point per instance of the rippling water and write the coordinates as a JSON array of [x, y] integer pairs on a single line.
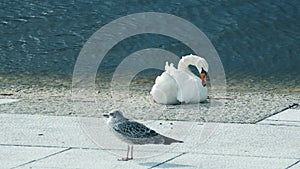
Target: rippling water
[[253, 39]]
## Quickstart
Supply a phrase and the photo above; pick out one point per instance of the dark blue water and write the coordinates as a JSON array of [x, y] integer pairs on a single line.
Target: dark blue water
[[253, 38]]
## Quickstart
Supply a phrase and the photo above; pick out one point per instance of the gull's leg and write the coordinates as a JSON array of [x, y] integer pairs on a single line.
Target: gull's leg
[[126, 158], [131, 153]]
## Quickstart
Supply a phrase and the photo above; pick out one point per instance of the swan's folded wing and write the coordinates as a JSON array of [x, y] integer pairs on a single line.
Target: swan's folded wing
[[164, 91]]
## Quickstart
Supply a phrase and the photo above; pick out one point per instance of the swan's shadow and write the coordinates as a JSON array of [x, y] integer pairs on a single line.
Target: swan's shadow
[[205, 104]]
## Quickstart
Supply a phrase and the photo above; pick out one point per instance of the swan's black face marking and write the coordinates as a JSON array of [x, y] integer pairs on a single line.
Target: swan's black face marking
[[203, 75], [203, 71]]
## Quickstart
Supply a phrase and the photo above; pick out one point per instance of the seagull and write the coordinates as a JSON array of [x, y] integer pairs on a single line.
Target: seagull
[[134, 133]]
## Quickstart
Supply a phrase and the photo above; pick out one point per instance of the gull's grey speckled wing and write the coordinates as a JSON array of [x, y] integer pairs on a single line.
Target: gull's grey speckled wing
[[132, 129]]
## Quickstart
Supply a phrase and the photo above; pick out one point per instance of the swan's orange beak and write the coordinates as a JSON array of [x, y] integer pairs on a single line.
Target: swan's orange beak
[[203, 78]]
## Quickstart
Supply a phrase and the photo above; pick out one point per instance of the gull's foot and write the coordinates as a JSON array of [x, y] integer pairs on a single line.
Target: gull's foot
[[125, 159]]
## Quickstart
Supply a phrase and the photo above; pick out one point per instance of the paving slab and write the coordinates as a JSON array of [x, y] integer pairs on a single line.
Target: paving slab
[[90, 144], [249, 140], [58, 131], [201, 161], [14, 156], [27, 129], [289, 117], [93, 159]]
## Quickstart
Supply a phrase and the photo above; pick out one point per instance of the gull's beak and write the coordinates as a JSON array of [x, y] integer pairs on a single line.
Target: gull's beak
[[106, 115], [203, 78]]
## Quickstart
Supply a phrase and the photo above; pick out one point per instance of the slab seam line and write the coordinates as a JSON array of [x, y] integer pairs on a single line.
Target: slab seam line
[[279, 124], [167, 160], [292, 165], [39, 159]]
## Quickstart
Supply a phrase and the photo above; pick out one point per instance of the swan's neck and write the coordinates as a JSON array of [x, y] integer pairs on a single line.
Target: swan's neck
[[184, 63]]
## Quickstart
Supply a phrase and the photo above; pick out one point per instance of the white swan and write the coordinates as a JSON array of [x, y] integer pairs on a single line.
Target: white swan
[[180, 85]]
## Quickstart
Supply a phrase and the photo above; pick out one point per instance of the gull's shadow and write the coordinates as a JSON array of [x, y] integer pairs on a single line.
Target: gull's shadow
[[164, 165]]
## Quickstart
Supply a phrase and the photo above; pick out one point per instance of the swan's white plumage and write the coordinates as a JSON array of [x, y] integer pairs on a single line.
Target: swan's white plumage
[[163, 89], [180, 85]]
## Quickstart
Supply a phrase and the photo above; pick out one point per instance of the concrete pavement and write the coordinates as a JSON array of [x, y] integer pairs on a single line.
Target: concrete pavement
[[37, 141]]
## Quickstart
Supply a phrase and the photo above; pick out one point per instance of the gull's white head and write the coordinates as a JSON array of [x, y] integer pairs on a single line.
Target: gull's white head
[[114, 115]]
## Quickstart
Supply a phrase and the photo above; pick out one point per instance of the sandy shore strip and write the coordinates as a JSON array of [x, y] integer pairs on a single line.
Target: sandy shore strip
[[237, 106]]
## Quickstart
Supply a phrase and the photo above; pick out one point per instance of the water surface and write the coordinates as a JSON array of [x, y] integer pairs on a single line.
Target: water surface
[[258, 42]]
